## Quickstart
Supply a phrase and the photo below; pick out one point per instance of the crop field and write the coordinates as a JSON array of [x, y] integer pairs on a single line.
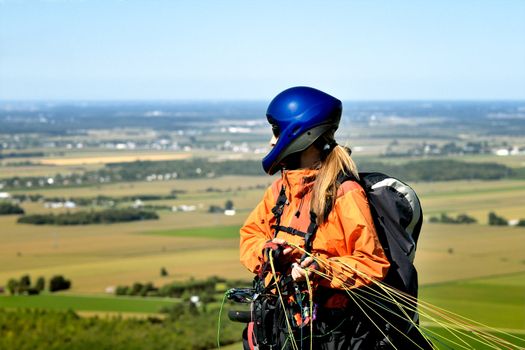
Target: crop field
[[112, 159], [43, 170], [475, 198], [98, 257], [474, 270], [455, 252], [197, 243], [492, 301], [216, 232]]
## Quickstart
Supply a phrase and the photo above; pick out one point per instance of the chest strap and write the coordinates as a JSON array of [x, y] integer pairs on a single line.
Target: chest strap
[[312, 228], [289, 230]]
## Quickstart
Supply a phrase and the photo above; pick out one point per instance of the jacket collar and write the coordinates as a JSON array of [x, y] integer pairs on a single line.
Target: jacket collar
[[300, 181]]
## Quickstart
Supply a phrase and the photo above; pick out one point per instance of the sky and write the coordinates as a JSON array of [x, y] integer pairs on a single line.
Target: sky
[[251, 50]]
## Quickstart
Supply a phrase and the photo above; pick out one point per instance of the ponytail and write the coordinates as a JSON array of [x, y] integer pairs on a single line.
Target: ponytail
[[325, 188]]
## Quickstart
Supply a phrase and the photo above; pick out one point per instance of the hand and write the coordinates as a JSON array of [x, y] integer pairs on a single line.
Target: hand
[[299, 271], [279, 250], [287, 249]]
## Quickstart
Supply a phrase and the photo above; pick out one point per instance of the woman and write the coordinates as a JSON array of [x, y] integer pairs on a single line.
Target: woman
[[315, 228]]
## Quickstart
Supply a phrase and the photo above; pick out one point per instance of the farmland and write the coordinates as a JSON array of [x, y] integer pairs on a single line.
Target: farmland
[[200, 244], [475, 270], [488, 300], [453, 260], [111, 159]]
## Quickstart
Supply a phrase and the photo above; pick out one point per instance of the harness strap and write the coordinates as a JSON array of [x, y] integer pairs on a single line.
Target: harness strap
[[289, 230], [278, 209], [309, 238]]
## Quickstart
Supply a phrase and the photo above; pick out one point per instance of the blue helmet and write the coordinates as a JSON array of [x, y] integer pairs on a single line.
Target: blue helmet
[[299, 116]]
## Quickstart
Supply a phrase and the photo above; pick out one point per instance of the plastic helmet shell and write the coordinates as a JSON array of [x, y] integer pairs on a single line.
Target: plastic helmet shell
[[301, 115]]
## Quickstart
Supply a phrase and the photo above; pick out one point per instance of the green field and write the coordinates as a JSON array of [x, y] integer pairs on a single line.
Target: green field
[[493, 301], [86, 303], [216, 232], [446, 339]]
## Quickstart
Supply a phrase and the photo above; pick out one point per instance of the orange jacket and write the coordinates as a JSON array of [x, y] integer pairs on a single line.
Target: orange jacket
[[347, 237]]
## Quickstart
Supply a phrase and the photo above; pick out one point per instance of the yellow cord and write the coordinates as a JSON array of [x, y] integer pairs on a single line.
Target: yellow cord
[[460, 326]]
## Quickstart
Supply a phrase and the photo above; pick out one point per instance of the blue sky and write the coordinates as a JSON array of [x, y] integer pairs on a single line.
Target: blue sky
[[179, 50]]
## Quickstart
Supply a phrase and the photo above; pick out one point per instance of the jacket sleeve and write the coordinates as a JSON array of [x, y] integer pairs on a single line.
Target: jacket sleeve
[[361, 256], [256, 232]]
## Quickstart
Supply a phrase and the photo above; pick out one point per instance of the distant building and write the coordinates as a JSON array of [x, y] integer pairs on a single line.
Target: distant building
[[69, 204], [58, 205], [138, 204], [502, 152], [229, 212], [4, 195], [184, 208]]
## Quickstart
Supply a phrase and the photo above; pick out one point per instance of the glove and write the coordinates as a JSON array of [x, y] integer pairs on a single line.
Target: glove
[[279, 251]]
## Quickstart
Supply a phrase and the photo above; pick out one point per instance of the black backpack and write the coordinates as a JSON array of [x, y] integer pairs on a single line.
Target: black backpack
[[398, 217]]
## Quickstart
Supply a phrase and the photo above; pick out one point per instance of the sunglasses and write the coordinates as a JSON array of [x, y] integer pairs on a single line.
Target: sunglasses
[[276, 130], [275, 127]]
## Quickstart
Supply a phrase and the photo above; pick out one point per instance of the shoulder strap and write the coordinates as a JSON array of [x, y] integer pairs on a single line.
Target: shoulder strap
[[310, 235], [277, 210], [341, 178]]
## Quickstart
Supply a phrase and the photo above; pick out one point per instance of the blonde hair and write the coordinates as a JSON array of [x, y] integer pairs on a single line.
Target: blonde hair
[[324, 192]]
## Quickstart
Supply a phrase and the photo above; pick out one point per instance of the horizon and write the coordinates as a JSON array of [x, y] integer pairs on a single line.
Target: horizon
[[175, 101]]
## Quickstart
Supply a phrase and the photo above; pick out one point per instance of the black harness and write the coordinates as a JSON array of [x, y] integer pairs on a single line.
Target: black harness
[[308, 236], [266, 311]]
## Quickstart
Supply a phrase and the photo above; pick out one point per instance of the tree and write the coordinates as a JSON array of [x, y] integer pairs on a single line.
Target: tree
[[135, 289], [12, 286], [24, 284], [447, 219], [7, 208], [40, 284], [495, 220], [228, 205], [465, 219], [146, 288], [215, 209], [58, 282], [163, 272], [107, 216], [460, 219], [122, 290]]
